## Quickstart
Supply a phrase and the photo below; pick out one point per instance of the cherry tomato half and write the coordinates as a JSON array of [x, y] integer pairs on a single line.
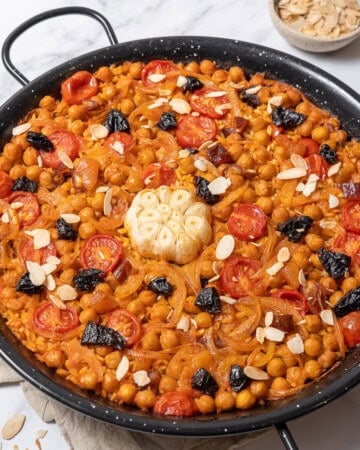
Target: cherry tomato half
[[203, 102], [125, 323], [29, 210], [176, 403], [6, 183], [350, 327], [350, 217], [64, 141], [119, 142], [157, 66], [237, 277], [102, 252], [295, 298], [247, 222], [158, 174], [80, 86], [312, 147], [318, 166], [348, 243], [27, 251], [48, 317], [192, 131]]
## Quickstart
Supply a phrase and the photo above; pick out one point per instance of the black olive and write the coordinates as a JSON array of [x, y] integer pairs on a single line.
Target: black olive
[[219, 155], [95, 334], [87, 279], [192, 84], [208, 300], [167, 121], [202, 190], [348, 303], [287, 118], [203, 381], [161, 286], [296, 227], [39, 141], [25, 184], [65, 230], [203, 281], [336, 264], [25, 285], [237, 378], [250, 99], [116, 121], [328, 154]]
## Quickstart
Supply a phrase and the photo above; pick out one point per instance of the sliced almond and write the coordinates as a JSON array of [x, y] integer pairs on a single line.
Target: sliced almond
[[205, 145], [141, 378], [219, 109], [193, 323], [269, 317], [298, 161], [55, 300], [65, 159], [122, 368], [98, 131], [13, 426], [70, 218], [5, 218], [301, 278], [327, 316], [40, 161], [225, 247], [300, 187], [48, 268], [40, 434], [228, 300], [291, 174], [156, 77], [180, 106], [274, 334], [20, 129], [283, 254], [16, 205], [184, 323], [107, 202], [52, 259], [327, 224], [164, 92], [296, 344], [310, 185], [102, 189], [253, 90], [219, 185], [334, 202], [66, 292], [255, 373], [260, 335], [276, 100], [181, 81], [200, 165], [50, 283], [214, 278], [36, 273], [183, 153], [334, 169], [41, 238], [213, 94], [275, 268]]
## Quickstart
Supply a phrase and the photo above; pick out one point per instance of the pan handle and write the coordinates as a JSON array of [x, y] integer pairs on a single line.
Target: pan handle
[[286, 437], [5, 54]]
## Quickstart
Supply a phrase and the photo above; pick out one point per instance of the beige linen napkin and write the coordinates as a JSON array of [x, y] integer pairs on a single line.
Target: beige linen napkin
[[84, 433]]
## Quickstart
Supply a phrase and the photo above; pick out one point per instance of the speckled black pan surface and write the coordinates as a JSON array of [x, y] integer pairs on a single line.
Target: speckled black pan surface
[[323, 89]]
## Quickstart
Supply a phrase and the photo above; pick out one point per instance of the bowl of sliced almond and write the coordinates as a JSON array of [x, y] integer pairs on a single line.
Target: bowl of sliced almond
[[317, 25]]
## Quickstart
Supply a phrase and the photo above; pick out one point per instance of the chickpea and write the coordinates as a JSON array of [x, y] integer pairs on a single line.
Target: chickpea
[[314, 242], [147, 297], [54, 358], [315, 261], [17, 171], [294, 96], [236, 74], [169, 339], [136, 307], [339, 135], [257, 123], [127, 106], [305, 129], [224, 401], [45, 179], [160, 310], [86, 230], [330, 342], [109, 91], [134, 182], [327, 359], [313, 323], [262, 187], [312, 347], [281, 153], [335, 297], [249, 196], [88, 380], [150, 341], [279, 214], [127, 392], [259, 389], [261, 137], [33, 172], [295, 376], [88, 315], [146, 156], [110, 383], [97, 202], [304, 108], [189, 305], [192, 66], [320, 134], [245, 400], [329, 283], [348, 284], [219, 76], [205, 404], [301, 256], [78, 127], [313, 211], [76, 111], [266, 204], [207, 67], [186, 165], [345, 172], [135, 69], [67, 276], [103, 73], [145, 399], [167, 384], [203, 320], [264, 95], [246, 161], [312, 368], [267, 171], [260, 154], [276, 367], [48, 103], [112, 360], [12, 151], [86, 214], [30, 156], [280, 384]]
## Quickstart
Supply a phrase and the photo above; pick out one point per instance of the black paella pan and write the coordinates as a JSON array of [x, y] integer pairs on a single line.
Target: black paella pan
[[323, 89]]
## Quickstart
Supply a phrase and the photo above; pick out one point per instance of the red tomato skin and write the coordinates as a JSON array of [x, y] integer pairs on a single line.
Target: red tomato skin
[[318, 166], [27, 251], [80, 86], [123, 138], [117, 316], [348, 243], [350, 327], [69, 314], [312, 147], [247, 222], [177, 403], [158, 174], [64, 141], [237, 267], [89, 260], [207, 105], [192, 131], [6, 183], [349, 219], [31, 206], [160, 66], [294, 297]]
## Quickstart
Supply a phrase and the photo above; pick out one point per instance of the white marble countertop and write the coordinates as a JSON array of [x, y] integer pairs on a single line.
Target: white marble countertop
[[332, 427]]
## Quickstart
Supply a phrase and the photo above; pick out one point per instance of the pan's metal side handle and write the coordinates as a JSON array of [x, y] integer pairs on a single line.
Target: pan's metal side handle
[[286, 437], [5, 53]]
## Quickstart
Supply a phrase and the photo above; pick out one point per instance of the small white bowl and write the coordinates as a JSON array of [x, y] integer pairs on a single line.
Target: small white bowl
[[309, 43]]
